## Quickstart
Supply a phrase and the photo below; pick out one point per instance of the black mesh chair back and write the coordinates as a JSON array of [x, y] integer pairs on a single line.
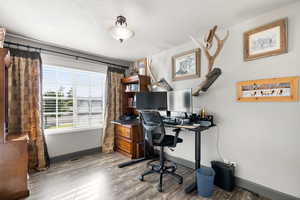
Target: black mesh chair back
[[155, 135], [153, 127]]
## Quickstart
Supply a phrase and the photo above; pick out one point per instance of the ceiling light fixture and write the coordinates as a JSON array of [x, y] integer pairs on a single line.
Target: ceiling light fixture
[[120, 31]]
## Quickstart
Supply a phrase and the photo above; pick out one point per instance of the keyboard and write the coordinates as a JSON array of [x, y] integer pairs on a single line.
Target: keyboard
[[170, 121]]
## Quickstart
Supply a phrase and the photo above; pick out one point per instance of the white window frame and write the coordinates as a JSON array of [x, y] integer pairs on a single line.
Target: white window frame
[[51, 60]]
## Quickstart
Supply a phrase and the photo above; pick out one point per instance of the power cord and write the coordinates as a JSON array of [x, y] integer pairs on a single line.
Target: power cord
[[219, 152], [218, 145]]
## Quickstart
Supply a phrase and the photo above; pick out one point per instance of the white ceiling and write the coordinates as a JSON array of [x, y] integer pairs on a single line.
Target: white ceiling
[[158, 24]]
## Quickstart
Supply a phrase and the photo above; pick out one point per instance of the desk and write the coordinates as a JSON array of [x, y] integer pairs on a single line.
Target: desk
[[197, 130]]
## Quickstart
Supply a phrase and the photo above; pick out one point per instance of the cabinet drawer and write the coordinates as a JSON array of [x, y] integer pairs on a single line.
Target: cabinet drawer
[[123, 131], [124, 145]]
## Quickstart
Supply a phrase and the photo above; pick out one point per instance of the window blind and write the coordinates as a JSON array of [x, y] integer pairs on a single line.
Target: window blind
[[72, 98]]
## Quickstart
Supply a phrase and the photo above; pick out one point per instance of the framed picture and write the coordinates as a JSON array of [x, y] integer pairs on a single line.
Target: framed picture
[[186, 65], [274, 89], [141, 66], [267, 40], [2, 37]]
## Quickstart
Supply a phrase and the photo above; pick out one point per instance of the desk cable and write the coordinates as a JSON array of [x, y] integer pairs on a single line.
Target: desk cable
[[218, 145]]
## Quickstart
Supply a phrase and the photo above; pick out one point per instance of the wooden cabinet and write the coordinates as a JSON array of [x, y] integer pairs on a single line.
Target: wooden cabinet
[[123, 131], [129, 139], [129, 136], [13, 150], [13, 170]]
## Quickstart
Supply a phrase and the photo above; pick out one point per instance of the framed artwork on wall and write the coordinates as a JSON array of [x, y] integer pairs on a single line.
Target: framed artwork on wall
[[141, 66], [268, 90], [2, 36], [266, 40], [186, 65]]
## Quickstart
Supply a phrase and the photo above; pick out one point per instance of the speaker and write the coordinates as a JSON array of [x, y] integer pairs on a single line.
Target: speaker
[[224, 177]]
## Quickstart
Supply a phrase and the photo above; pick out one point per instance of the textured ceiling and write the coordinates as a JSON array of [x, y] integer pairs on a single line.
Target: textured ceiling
[[158, 24]]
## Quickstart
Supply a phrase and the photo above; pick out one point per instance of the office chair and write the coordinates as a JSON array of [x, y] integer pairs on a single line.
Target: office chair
[[155, 135]]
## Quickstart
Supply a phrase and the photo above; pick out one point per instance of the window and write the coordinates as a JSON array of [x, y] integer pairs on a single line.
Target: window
[[72, 98]]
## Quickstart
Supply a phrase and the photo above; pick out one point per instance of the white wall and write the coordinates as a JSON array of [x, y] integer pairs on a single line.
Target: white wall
[[78, 140], [263, 138], [70, 142]]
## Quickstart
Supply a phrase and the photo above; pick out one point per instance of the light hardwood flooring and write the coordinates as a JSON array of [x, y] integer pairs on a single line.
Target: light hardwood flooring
[[97, 177]]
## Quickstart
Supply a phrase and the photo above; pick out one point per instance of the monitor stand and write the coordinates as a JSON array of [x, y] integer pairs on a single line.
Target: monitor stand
[[168, 113]]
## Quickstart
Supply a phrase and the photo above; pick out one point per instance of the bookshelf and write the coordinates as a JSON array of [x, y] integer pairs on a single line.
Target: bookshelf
[[132, 85], [129, 135]]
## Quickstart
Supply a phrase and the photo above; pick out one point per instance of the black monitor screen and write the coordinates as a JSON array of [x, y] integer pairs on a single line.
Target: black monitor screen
[[151, 101]]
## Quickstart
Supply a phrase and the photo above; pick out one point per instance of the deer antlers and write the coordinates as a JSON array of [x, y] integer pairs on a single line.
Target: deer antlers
[[211, 58], [207, 43], [150, 72], [161, 83], [212, 74]]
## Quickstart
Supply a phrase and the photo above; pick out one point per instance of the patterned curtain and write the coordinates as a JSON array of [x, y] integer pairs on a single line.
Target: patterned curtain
[[24, 107], [113, 107]]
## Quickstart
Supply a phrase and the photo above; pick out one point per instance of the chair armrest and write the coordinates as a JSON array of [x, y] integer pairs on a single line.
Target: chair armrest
[[177, 131]]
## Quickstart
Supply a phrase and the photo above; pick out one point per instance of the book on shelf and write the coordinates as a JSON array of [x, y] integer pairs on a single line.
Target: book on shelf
[[132, 88], [132, 102]]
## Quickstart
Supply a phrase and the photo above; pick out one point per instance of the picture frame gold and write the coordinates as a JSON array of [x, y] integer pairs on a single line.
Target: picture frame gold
[[142, 63], [282, 89], [2, 36], [263, 41], [195, 56]]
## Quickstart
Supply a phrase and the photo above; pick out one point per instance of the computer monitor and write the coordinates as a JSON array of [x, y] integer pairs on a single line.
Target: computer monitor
[[180, 101], [151, 101]]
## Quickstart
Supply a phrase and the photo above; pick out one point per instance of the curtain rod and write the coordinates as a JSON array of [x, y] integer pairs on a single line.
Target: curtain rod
[[66, 54]]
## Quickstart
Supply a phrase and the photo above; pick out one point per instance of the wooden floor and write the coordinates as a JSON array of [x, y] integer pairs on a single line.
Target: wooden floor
[[97, 177]]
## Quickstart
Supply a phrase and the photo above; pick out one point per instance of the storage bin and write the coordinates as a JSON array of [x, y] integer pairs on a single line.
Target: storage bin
[[205, 181]]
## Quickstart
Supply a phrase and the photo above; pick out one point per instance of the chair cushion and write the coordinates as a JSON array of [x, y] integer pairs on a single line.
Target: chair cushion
[[167, 141]]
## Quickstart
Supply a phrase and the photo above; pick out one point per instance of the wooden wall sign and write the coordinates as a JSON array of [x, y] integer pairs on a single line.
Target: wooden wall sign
[[268, 90], [267, 40]]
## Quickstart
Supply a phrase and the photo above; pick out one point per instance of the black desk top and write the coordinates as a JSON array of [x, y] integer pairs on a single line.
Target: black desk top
[[136, 122], [190, 127]]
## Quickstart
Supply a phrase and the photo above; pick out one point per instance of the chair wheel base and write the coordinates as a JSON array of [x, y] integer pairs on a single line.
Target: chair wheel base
[[164, 167], [159, 189], [180, 181], [141, 178]]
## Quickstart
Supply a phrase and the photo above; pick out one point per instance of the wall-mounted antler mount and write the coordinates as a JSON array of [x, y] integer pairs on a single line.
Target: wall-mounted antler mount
[[207, 43], [162, 83], [211, 75]]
